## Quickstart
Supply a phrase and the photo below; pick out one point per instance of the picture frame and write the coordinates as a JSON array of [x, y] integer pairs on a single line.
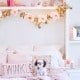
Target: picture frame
[[76, 32]]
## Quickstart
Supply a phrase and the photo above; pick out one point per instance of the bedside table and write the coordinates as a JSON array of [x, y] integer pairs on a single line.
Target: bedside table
[[74, 74]]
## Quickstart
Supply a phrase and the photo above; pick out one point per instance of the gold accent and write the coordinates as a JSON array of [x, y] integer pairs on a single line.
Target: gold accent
[[2, 4], [62, 9], [22, 15], [6, 13]]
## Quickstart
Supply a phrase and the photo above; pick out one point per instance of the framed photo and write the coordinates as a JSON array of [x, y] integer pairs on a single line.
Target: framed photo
[[76, 32]]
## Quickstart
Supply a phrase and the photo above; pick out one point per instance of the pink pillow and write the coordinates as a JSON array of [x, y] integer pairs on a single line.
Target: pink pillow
[[17, 70], [46, 58]]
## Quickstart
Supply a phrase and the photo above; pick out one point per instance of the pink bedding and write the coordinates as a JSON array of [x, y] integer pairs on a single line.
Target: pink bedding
[[59, 74], [56, 74]]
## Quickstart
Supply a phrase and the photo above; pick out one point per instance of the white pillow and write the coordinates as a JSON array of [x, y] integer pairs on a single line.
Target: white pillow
[[56, 60], [56, 57], [18, 58], [3, 58]]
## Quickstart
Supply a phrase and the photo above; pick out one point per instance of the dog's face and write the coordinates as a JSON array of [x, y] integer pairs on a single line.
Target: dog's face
[[40, 63]]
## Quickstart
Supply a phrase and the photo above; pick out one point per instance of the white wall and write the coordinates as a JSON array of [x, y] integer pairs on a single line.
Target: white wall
[[16, 31], [73, 20]]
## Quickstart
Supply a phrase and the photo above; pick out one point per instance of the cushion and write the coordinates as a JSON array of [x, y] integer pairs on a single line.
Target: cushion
[[19, 65], [20, 70], [46, 58], [56, 60], [18, 58]]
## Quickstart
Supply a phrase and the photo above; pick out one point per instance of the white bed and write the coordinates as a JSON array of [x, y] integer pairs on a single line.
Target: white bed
[[13, 79], [17, 57]]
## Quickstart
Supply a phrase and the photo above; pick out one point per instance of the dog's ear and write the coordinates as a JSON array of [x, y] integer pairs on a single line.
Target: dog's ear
[[44, 63], [35, 63]]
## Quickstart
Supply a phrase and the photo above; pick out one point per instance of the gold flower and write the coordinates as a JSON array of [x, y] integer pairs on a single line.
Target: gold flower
[[6, 13], [22, 14]]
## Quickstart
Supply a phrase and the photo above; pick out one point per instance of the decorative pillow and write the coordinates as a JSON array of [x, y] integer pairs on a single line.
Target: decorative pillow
[[46, 58], [19, 65], [16, 58], [17, 70]]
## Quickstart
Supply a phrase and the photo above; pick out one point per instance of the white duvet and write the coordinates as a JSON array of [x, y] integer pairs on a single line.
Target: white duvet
[[57, 74], [13, 79]]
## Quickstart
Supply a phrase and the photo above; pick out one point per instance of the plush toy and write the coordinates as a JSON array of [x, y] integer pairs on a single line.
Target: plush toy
[[41, 67], [41, 70]]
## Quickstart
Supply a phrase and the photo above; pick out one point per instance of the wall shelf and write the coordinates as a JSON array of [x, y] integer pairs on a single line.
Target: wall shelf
[[29, 8], [74, 41]]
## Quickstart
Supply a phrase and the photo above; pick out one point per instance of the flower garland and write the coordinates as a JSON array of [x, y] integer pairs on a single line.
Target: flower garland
[[39, 19]]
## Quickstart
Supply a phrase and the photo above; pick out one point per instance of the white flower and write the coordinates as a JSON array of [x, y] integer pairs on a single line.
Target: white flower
[[42, 18], [54, 15], [30, 17], [14, 11]]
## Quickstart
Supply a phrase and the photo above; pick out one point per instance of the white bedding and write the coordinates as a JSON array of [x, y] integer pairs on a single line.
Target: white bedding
[[21, 57], [13, 79], [56, 74]]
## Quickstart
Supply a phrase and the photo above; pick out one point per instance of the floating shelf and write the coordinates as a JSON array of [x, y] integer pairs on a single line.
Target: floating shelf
[[74, 41], [29, 8]]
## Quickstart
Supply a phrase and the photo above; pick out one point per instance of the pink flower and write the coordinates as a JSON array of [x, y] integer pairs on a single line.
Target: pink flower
[[54, 15], [30, 17], [67, 61], [42, 18], [0, 13], [14, 11]]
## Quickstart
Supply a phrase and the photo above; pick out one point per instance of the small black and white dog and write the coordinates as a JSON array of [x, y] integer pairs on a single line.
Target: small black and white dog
[[41, 67], [41, 70]]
